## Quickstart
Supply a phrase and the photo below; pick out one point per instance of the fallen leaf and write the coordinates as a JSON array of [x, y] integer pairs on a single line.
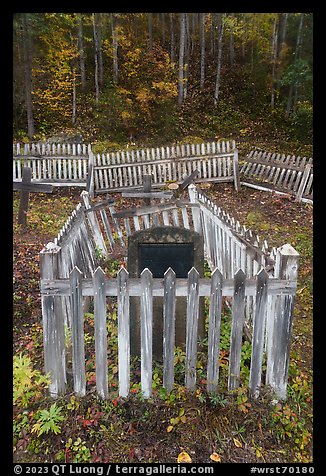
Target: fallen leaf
[[237, 443], [169, 428], [183, 457], [215, 457]]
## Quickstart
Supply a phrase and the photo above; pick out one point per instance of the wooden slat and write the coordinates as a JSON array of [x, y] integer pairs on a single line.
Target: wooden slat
[[169, 328], [100, 333], [123, 332], [214, 324], [77, 330], [236, 330], [146, 331], [191, 329], [258, 333]]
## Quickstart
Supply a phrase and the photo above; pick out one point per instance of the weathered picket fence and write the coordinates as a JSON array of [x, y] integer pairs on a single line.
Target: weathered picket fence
[[214, 162], [283, 173], [58, 164], [271, 290], [146, 287], [75, 164]]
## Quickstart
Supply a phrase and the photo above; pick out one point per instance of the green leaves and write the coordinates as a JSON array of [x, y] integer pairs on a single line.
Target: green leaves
[[28, 382], [47, 420]]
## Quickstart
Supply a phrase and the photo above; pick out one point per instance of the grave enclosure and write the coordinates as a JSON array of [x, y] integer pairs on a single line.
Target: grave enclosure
[[259, 281]]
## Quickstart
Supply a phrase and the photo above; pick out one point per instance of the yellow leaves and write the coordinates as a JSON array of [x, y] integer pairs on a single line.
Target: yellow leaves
[[183, 457], [215, 457], [237, 443], [174, 421], [169, 428]]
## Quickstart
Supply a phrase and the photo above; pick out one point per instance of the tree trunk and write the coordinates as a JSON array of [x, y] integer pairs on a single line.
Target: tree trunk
[[293, 92], [172, 38], [96, 74], [150, 31], [81, 52], [186, 66], [115, 49], [73, 118], [232, 41], [219, 58], [274, 58], [202, 50], [27, 54], [181, 57]]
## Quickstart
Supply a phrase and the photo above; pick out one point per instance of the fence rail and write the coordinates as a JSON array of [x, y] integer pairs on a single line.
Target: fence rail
[[272, 171]]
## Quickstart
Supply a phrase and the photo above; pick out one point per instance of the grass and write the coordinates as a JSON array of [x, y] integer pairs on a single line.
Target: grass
[[159, 429]]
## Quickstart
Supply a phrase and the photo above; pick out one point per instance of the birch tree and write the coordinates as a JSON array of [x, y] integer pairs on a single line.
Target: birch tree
[[28, 58], [202, 50], [82, 61], [219, 58], [181, 58]]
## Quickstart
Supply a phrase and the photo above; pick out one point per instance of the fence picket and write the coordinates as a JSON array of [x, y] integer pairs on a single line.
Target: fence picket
[[258, 333], [169, 328], [77, 329], [191, 328], [214, 325], [146, 331], [100, 333], [123, 332], [236, 329]]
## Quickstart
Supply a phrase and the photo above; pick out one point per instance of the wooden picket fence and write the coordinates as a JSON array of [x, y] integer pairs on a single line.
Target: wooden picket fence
[[214, 162], [59, 164], [277, 172], [70, 275], [146, 288]]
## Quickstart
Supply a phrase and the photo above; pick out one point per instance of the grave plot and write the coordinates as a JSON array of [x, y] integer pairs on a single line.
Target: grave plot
[[259, 282]]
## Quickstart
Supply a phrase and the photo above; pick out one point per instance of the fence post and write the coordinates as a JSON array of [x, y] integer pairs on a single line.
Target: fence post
[[77, 328], [100, 333], [90, 175], [192, 328], [94, 224], [303, 182], [169, 328], [53, 323], [123, 332], [146, 331], [192, 191], [236, 170], [279, 330]]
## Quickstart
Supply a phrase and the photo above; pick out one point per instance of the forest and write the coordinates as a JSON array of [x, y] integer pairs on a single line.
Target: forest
[[156, 78]]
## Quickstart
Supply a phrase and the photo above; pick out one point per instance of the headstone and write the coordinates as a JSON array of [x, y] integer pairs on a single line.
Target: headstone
[[158, 249]]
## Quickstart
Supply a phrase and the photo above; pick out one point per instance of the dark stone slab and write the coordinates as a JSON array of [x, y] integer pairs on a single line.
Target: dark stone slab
[[158, 249]]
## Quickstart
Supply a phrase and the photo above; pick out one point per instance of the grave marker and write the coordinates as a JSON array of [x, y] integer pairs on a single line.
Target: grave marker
[[158, 249], [26, 186]]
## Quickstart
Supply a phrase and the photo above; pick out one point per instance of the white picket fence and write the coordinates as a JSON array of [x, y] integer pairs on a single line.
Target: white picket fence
[[279, 172], [69, 274], [262, 287], [214, 161]]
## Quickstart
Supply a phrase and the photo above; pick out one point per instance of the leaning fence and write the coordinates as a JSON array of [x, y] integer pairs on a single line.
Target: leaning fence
[[277, 172], [269, 285]]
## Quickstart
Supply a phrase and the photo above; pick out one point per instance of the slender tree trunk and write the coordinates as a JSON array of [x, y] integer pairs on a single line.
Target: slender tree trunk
[[115, 49], [232, 41], [202, 50], [186, 62], [82, 62], [274, 59], [150, 31], [172, 38], [100, 55], [27, 55], [74, 95], [162, 15], [96, 59], [181, 57], [281, 43], [293, 92], [219, 59]]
